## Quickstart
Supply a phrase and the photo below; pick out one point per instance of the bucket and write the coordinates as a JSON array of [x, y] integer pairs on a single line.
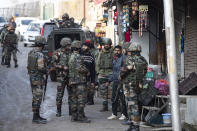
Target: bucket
[[167, 118]]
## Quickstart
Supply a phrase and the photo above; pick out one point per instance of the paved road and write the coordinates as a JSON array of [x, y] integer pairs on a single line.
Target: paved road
[[15, 105]]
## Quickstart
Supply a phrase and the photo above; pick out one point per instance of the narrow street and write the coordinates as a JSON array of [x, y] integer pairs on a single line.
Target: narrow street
[[15, 104]]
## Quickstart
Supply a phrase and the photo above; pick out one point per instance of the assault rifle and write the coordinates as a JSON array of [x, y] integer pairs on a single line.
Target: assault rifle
[[15, 48], [12, 46], [46, 77]]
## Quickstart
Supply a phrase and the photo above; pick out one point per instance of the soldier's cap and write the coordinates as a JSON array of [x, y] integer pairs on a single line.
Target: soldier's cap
[[86, 44], [89, 43]]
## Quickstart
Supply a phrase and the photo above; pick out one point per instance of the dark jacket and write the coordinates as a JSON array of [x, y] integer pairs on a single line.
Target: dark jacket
[[89, 62], [117, 64]]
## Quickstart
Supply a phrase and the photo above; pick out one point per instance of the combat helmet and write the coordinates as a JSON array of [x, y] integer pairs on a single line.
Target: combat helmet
[[76, 44], [106, 41], [65, 41], [133, 47], [65, 16], [39, 41]]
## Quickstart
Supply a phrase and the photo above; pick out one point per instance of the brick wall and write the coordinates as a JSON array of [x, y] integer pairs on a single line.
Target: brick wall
[[191, 45]]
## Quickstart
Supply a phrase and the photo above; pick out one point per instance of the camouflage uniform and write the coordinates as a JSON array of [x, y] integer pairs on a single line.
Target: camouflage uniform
[[10, 43], [135, 69], [36, 69], [60, 60], [3, 33], [77, 78], [104, 68]]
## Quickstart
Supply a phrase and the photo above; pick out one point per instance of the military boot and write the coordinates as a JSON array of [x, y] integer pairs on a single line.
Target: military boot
[[74, 117], [83, 119], [90, 100], [2, 61], [16, 65], [43, 119], [38, 120], [59, 111], [8, 65]]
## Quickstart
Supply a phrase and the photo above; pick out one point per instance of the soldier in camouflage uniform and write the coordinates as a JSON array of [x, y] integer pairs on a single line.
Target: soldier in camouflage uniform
[[10, 43], [104, 69], [3, 33], [66, 23], [132, 75], [36, 66], [60, 62], [77, 81]]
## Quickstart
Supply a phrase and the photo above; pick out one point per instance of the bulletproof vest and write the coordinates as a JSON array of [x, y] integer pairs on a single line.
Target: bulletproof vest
[[64, 58], [32, 64], [10, 38], [106, 60], [131, 77], [75, 66], [141, 65]]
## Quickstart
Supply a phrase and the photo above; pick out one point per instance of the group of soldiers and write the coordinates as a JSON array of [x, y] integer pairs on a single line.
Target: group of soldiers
[[78, 65], [66, 22], [8, 40]]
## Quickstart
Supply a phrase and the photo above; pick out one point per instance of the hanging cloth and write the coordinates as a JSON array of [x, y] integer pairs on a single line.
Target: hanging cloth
[[127, 36]]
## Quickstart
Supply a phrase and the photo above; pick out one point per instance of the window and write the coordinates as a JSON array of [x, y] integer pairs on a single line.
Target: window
[[2, 20], [34, 27], [25, 22]]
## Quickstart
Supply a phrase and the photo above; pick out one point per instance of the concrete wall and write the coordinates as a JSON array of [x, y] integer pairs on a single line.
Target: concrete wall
[[191, 45], [75, 8], [31, 9], [144, 42]]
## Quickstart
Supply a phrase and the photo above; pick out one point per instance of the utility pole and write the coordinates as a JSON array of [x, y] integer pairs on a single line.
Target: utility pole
[[171, 59], [84, 11]]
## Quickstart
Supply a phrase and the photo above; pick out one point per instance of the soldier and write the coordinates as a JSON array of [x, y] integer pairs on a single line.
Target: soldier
[[132, 75], [3, 33], [10, 43], [65, 21], [60, 62], [77, 81], [104, 69], [90, 65], [37, 69]]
